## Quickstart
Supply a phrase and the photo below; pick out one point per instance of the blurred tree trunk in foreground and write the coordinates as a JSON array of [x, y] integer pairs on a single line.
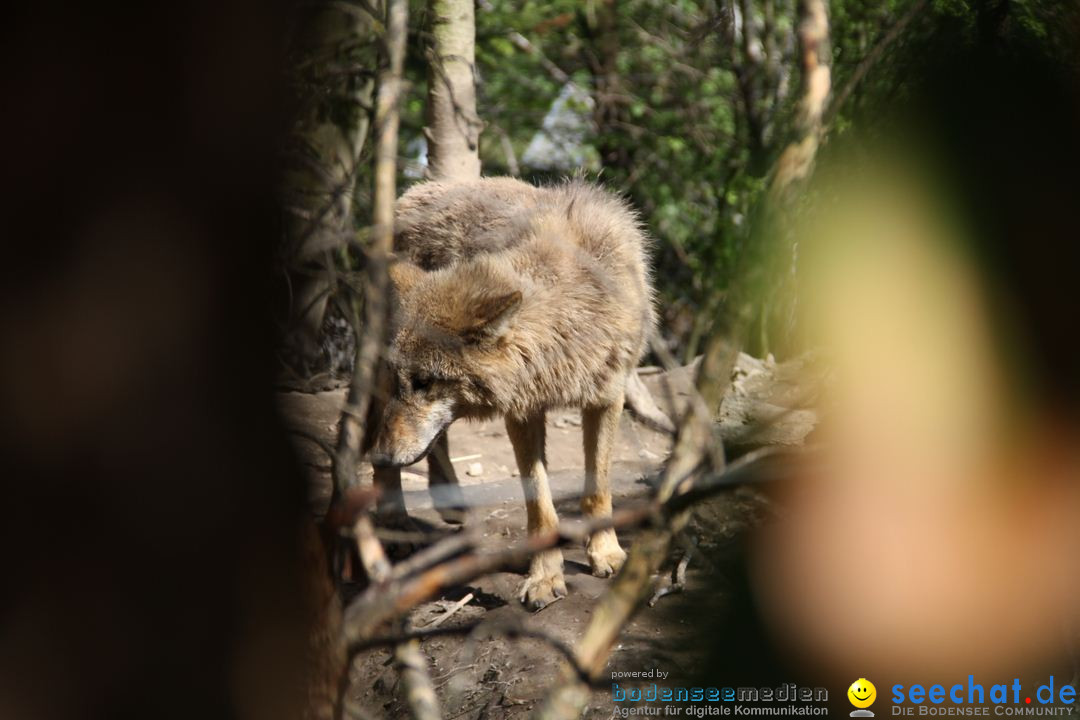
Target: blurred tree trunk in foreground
[[152, 503]]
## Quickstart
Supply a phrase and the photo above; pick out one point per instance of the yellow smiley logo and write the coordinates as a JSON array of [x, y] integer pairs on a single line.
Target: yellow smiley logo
[[862, 693]]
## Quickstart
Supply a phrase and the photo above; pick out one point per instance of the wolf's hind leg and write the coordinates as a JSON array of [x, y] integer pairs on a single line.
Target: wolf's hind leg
[[545, 582], [600, 425], [443, 483]]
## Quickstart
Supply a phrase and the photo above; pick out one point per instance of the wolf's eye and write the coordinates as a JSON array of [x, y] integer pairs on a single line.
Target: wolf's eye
[[421, 382]]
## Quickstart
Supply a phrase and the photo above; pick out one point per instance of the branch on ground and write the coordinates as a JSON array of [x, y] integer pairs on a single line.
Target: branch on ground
[[382, 602]]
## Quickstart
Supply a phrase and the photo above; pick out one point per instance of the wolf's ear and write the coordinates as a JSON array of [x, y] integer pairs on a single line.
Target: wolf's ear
[[490, 316], [404, 275]]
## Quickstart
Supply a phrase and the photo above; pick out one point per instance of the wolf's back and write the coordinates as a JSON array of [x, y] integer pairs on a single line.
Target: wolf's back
[[438, 223], [610, 231], [577, 240]]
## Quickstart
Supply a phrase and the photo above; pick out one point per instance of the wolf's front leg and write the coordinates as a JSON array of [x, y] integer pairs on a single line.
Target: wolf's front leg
[[443, 483], [599, 426], [390, 506], [545, 582]]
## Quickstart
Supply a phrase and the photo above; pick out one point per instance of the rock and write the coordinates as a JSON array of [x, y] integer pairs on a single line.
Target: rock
[[474, 470], [568, 421]]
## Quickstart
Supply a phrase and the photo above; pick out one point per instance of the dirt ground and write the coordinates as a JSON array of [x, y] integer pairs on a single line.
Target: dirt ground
[[495, 677]]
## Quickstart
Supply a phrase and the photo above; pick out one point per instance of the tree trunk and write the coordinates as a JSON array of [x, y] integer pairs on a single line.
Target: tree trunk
[[336, 57], [453, 127], [371, 338], [797, 160]]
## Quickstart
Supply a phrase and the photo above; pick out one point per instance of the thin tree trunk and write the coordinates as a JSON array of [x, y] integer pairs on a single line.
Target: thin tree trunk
[[453, 127], [372, 334], [372, 337], [797, 160]]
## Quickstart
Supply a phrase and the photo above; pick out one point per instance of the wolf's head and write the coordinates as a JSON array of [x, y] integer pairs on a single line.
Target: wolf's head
[[449, 342]]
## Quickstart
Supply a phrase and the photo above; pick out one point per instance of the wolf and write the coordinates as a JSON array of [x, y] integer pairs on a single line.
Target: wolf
[[513, 300]]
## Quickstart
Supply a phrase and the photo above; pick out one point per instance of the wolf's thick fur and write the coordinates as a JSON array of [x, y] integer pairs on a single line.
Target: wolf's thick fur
[[513, 300]]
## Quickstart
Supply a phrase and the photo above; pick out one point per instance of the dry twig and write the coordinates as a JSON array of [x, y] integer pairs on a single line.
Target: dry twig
[[382, 602], [453, 609]]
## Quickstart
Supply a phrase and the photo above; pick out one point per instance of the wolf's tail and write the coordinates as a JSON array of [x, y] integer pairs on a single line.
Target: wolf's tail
[[640, 403]]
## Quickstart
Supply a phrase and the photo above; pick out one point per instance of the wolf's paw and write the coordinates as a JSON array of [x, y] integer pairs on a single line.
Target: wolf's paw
[[545, 583], [605, 555], [398, 521], [452, 515], [393, 518]]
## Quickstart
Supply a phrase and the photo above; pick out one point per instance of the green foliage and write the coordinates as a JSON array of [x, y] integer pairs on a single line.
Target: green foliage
[[693, 103]]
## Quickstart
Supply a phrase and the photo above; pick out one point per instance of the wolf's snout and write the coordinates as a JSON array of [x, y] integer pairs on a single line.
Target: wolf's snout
[[391, 452], [381, 459], [408, 431], [399, 459]]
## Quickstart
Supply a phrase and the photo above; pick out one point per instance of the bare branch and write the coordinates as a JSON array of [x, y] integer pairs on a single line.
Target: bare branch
[[522, 43], [372, 555], [370, 336], [371, 339], [419, 690]]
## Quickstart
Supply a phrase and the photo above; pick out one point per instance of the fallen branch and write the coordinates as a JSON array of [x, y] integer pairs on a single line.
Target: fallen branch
[[693, 446], [381, 602], [343, 513]]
